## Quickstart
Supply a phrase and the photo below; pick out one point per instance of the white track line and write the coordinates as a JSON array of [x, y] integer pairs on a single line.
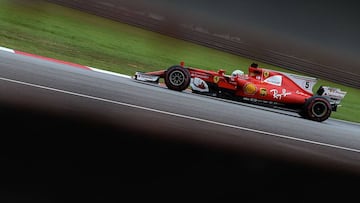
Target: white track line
[[7, 50], [109, 72], [181, 116]]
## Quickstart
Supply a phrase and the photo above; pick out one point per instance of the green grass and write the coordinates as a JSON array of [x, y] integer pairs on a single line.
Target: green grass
[[62, 33]]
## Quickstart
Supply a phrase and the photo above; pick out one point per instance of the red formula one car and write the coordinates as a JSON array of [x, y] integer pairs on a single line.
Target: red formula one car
[[260, 86]]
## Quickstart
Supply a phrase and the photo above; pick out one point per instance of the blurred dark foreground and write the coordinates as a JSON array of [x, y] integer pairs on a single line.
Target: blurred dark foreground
[[60, 158]]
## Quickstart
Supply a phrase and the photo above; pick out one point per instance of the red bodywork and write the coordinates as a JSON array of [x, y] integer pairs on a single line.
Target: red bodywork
[[253, 85]]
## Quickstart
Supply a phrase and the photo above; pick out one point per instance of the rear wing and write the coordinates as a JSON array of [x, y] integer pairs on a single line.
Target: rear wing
[[335, 95]]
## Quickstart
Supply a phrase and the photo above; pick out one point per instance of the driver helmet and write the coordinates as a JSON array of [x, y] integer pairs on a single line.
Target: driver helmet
[[237, 73]]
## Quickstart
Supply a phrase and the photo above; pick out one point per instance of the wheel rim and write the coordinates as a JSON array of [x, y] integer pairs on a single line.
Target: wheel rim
[[177, 78], [319, 109]]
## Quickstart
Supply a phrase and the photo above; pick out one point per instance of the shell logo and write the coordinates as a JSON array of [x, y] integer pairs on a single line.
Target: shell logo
[[250, 88]]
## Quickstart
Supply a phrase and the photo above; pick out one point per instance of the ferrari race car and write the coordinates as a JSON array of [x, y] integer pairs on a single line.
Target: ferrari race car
[[260, 86]]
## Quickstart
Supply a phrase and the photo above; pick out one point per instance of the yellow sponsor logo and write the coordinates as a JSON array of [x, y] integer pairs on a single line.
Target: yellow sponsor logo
[[250, 89], [263, 92], [216, 79]]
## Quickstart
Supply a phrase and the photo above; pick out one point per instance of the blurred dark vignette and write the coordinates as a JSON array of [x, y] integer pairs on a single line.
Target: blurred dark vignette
[[60, 156]]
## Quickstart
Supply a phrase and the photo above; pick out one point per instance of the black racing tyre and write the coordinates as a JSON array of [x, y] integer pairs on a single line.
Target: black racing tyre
[[303, 113], [177, 78], [316, 108]]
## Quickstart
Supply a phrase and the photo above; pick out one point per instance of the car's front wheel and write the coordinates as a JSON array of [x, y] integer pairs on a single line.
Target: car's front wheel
[[177, 78]]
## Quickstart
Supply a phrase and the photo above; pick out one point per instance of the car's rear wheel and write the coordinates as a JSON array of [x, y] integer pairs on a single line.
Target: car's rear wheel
[[177, 78], [316, 108], [303, 113]]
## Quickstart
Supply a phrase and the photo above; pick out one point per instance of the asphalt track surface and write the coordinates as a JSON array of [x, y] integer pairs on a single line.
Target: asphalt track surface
[[71, 133]]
